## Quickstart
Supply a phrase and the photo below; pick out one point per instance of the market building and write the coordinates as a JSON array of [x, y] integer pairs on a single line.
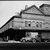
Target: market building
[[30, 19]]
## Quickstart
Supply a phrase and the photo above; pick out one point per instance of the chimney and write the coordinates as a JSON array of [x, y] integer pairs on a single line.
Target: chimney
[[26, 6]]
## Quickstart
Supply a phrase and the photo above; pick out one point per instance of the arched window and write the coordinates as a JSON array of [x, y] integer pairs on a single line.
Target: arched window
[[39, 24], [27, 23]]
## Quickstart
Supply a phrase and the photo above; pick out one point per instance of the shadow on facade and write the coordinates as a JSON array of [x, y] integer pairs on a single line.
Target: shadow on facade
[[13, 34]]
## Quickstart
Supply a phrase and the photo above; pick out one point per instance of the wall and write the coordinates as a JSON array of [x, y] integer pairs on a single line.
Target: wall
[[6, 27], [44, 20], [31, 22], [29, 16], [34, 23]]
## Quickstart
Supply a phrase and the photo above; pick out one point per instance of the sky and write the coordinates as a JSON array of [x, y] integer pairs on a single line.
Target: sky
[[10, 8]]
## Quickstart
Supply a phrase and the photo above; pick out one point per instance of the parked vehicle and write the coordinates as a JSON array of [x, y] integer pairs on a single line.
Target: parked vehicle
[[30, 37], [25, 39]]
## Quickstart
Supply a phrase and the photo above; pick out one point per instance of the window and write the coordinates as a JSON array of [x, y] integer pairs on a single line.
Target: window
[[39, 24], [27, 23]]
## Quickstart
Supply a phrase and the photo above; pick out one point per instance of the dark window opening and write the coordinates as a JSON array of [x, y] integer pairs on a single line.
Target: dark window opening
[[29, 25], [37, 25]]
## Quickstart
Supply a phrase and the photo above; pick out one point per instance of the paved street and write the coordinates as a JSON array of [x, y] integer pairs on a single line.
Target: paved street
[[29, 46]]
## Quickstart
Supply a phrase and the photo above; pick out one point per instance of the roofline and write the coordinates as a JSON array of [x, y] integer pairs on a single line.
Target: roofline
[[37, 14], [34, 19], [44, 5], [31, 7], [33, 14], [10, 20]]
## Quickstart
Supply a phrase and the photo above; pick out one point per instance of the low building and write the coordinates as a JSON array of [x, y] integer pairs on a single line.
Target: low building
[[31, 18]]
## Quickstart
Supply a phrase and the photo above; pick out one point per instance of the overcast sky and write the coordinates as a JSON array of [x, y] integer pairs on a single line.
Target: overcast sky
[[8, 8]]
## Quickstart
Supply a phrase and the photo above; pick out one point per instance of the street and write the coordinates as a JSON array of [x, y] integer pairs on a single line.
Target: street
[[15, 46]]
